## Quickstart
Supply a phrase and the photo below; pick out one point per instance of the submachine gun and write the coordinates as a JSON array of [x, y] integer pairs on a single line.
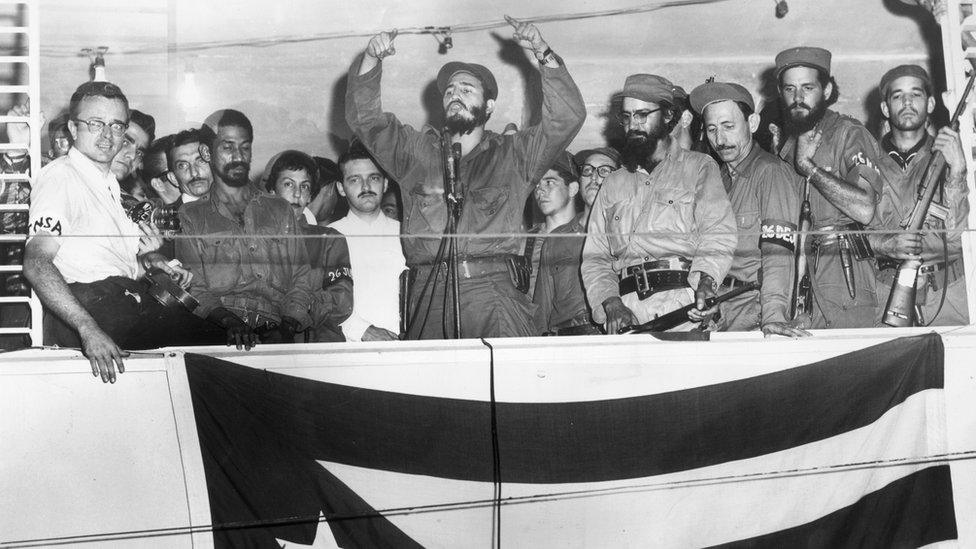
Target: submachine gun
[[900, 309], [677, 317]]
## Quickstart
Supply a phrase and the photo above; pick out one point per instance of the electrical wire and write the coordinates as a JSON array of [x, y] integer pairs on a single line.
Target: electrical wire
[[933, 459], [432, 30]]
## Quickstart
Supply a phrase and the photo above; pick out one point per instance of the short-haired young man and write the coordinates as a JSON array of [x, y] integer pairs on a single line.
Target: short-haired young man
[[376, 262], [89, 284], [559, 295]]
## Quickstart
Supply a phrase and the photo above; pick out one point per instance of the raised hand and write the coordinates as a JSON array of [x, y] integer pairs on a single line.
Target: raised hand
[[806, 146], [528, 36], [381, 45]]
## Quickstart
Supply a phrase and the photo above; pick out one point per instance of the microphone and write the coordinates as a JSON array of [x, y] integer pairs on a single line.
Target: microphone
[[453, 168]]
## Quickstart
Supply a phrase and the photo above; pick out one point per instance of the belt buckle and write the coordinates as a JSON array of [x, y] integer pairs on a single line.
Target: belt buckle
[[643, 285]]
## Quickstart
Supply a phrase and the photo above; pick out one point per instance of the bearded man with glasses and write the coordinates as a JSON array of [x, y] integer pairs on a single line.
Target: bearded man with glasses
[[84, 255], [661, 232]]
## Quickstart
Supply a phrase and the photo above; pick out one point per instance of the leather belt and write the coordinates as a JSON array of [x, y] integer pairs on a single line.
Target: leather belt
[[248, 310], [732, 282], [955, 271], [825, 240], [651, 277], [476, 266]]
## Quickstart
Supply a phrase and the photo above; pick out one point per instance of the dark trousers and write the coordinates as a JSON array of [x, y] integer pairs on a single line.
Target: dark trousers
[[133, 319], [491, 306]]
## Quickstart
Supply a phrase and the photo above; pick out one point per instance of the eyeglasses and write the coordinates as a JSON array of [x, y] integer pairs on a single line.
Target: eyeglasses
[[587, 170], [623, 117], [96, 126]]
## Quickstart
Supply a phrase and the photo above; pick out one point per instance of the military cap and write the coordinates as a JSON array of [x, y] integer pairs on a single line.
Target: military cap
[[905, 70], [803, 56], [564, 164], [478, 71], [711, 92], [609, 152], [648, 87]]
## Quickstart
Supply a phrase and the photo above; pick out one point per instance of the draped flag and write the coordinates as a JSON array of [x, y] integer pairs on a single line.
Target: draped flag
[[829, 454]]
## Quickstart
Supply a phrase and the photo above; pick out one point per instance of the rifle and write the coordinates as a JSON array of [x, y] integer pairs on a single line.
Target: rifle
[[900, 309], [801, 302], [676, 317]]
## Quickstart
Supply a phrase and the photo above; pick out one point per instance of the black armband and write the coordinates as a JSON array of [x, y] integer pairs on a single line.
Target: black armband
[[335, 275], [780, 233]]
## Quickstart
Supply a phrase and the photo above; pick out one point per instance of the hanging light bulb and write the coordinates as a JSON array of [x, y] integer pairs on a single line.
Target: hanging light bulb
[[189, 93]]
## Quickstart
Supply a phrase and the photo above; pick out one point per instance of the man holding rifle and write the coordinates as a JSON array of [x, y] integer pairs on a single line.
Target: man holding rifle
[[907, 102], [838, 157]]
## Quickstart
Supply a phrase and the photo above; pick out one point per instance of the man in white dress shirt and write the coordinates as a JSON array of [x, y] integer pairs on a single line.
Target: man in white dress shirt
[[375, 253]]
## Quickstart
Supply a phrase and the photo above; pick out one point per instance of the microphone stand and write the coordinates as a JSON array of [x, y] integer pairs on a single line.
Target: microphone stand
[[455, 203]]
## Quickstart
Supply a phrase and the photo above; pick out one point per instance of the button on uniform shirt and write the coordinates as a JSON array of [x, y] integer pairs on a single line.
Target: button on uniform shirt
[[81, 207], [260, 263], [902, 174], [765, 196], [377, 261], [559, 286], [497, 176], [679, 209], [850, 152]]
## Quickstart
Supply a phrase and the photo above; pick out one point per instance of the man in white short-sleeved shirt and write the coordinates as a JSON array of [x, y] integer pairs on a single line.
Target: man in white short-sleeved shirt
[[375, 254], [84, 254]]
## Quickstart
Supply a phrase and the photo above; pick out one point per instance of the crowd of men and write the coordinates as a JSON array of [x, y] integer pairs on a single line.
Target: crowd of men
[[359, 249]]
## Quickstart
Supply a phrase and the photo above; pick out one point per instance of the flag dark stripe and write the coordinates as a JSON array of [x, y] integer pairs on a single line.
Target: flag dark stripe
[[912, 511], [564, 442]]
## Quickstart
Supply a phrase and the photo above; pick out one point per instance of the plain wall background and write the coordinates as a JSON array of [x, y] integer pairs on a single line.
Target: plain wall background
[[294, 92]]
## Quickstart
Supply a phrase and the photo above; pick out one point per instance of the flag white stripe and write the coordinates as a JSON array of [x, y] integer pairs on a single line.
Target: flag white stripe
[[684, 516]]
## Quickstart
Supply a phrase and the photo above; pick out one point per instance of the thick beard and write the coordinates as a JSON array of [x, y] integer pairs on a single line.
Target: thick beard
[[638, 150], [796, 126], [225, 175], [458, 125]]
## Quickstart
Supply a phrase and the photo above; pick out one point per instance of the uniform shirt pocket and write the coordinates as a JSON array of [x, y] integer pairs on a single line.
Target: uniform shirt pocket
[[673, 209]]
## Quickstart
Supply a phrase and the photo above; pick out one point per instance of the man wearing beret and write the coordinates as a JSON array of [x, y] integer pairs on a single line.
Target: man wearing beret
[[559, 288], [907, 102], [839, 158], [661, 232], [765, 196], [497, 173]]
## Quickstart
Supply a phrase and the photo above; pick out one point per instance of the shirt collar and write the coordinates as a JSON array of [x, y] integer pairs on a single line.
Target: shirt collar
[[92, 174], [902, 158], [744, 167]]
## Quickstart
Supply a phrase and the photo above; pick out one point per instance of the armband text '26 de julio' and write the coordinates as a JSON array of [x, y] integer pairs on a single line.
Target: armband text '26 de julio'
[[778, 232]]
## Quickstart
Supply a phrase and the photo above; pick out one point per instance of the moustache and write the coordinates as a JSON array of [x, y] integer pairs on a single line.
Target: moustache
[[199, 180], [367, 193], [801, 105], [909, 110], [236, 165], [637, 134]]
